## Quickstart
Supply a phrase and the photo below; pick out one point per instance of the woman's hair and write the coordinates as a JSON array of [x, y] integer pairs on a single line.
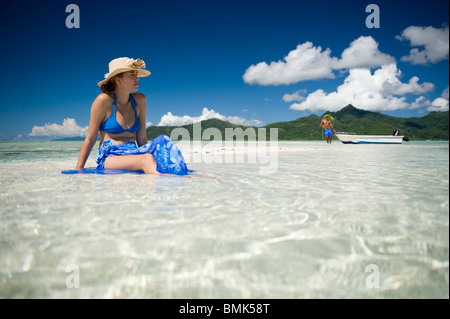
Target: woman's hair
[[110, 86]]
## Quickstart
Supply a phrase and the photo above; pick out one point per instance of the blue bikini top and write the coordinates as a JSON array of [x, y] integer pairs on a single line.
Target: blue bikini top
[[112, 126]]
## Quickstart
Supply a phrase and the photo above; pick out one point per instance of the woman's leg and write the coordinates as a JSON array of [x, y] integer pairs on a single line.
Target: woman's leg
[[143, 162]]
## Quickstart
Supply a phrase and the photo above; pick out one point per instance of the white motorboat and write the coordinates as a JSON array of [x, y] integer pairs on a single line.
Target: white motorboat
[[351, 138]]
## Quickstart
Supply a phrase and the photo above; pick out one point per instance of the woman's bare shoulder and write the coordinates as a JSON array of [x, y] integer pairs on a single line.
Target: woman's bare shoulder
[[139, 97], [141, 100], [103, 100], [103, 97]]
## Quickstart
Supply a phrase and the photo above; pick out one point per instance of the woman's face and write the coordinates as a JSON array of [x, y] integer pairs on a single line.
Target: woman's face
[[129, 81]]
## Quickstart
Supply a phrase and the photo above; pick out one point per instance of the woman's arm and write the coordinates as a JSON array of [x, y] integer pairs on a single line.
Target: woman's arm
[[98, 111], [141, 135]]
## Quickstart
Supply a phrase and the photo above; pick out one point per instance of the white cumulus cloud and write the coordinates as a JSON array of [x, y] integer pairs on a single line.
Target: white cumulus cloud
[[308, 62], [440, 104], [374, 92], [435, 42], [173, 120], [363, 53], [69, 128], [420, 102], [296, 96]]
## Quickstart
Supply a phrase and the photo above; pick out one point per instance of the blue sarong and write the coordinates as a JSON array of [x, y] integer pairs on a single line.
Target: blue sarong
[[168, 157]]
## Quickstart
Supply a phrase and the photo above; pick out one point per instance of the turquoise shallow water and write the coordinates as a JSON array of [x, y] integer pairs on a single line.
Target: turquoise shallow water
[[333, 221]]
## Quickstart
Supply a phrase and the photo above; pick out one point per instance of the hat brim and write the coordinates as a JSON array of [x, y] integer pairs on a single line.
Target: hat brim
[[140, 73]]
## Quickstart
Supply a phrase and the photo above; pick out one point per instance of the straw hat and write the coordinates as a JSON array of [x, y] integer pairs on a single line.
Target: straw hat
[[121, 65]]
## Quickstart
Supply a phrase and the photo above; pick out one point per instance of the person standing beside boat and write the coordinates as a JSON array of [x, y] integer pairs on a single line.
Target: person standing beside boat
[[327, 126]]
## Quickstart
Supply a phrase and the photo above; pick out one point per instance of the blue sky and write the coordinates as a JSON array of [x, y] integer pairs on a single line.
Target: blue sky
[[250, 62]]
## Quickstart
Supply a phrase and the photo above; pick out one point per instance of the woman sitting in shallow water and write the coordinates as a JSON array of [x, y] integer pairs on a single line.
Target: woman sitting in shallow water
[[120, 117]]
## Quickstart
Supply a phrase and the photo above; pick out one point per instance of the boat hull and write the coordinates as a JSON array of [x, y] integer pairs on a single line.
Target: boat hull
[[369, 139]]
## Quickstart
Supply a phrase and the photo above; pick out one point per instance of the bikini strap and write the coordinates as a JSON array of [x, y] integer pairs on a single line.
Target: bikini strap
[[114, 105], [133, 104], [133, 101]]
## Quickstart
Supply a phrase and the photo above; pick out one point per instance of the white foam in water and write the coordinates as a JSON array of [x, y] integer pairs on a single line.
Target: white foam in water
[[333, 221]]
